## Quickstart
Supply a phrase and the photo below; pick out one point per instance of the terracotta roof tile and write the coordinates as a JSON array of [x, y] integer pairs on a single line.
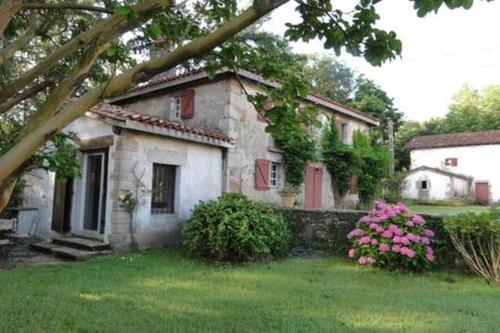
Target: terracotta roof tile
[[118, 113], [454, 140]]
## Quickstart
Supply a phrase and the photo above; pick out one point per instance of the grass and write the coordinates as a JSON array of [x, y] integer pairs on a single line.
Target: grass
[[446, 210], [162, 291]]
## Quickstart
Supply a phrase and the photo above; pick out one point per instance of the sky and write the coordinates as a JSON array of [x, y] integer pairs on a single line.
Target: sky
[[440, 54]]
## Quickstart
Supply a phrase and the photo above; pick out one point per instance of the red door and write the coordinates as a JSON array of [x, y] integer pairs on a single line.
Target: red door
[[314, 187], [482, 191]]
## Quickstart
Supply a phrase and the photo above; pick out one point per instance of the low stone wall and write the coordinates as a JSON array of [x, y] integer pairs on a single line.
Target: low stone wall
[[327, 230]]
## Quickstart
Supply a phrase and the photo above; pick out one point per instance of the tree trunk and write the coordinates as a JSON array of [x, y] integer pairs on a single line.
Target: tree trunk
[[6, 190], [7, 9]]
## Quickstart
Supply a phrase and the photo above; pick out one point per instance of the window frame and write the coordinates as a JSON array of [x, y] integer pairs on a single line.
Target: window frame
[[344, 132], [426, 184], [274, 175], [176, 107], [167, 193]]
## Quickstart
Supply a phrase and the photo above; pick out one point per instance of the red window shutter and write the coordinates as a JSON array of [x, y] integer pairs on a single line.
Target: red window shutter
[[262, 174], [318, 187], [454, 162], [187, 111]]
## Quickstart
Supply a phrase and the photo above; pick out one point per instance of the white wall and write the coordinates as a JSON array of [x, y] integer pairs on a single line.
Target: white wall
[[440, 186], [482, 163], [198, 178]]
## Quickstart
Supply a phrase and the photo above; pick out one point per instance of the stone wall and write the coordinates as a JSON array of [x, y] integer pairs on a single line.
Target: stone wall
[[327, 230]]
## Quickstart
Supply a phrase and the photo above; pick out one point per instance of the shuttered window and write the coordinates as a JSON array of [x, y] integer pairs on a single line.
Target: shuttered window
[[187, 110], [451, 161], [262, 174], [163, 193]]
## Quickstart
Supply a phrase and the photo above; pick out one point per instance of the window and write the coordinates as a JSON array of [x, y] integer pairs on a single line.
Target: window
[[176, 107], [423, 185], [344, 132], [274, 174], [163, 193], [451, 161]]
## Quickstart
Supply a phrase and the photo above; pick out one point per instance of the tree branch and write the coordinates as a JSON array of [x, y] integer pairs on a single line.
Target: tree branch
[[75, 44], [28, 93], [65, 6], [16, 156], [8, 52], [8, 9]]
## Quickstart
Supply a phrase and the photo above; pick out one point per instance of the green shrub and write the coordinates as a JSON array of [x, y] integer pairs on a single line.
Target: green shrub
[[235, 229], [477, 238]]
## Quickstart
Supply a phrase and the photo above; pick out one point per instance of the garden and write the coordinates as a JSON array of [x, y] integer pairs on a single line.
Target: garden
[[235, 273]]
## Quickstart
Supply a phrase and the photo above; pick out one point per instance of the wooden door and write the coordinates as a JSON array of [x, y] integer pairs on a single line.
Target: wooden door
[[61, 208], [314, 187], [95, 191], [482, 192]]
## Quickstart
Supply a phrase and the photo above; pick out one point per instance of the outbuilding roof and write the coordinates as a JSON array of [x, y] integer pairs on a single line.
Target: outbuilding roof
[[454, 140], [198, 74], [162, 126], [439, 171]]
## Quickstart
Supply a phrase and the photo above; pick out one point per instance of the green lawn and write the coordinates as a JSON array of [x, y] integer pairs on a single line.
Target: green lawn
[[162, 291], [446, 210]]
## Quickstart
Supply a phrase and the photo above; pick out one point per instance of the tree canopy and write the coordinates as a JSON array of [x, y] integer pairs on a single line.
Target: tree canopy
[[51, 51]]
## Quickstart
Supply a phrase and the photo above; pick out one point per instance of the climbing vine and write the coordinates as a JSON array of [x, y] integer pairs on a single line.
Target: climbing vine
[[287, 120], [340, 159], [362, 159]]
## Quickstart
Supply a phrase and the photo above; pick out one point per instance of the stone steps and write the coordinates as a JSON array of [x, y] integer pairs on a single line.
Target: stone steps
[[73, 248]]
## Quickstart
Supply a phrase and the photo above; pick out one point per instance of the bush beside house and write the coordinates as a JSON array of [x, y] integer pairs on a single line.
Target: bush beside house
[[235, 229]]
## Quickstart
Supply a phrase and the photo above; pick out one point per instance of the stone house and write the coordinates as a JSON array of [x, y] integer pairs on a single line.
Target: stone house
[[454, 166], [171, 143]]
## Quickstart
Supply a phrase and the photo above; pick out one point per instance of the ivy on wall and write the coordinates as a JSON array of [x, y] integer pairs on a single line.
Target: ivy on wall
[[362, 159]]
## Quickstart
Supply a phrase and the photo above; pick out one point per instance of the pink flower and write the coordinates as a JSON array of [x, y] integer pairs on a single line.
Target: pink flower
[[395, 230], [365, 219], [425, 240], [410, 224], [407, 252], [412, 237], [429, 257], [387, 234], [374, 242], [418, 219], [352, 253], [402, 207], [380, 205], [396, 239], [383, 248], [428, 250], [428, 233], [380, 229], [373, 226], [396, 248], [404, 240], [355, 233], [370, 260], [362, 261], [365, 240]]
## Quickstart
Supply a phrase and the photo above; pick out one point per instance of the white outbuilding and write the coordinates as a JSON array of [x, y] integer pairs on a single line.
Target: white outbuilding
[[454, 166]]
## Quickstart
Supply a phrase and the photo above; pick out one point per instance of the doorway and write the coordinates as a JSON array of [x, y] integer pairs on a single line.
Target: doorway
[[95, 191], [482, 192], [314, 187], [61, 208]]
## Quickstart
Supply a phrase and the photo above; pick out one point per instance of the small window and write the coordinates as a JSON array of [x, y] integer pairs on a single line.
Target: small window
[[423, 185], [451, 162], [344, 132], [274, 174], [176, 107], [163, 193]]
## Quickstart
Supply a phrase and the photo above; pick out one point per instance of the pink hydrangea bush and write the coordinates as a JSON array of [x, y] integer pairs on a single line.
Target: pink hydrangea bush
[[390, 237]]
